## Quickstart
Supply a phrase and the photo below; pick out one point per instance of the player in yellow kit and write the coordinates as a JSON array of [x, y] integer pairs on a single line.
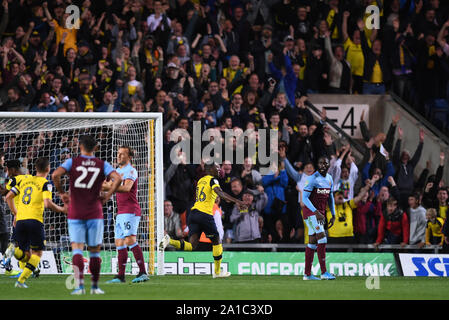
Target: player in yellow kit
[[34, 193], [201, 218], [14, 169]]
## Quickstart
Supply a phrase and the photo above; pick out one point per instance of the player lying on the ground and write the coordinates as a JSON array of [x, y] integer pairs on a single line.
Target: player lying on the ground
[[128, 216], [201, 218], [34, 193]]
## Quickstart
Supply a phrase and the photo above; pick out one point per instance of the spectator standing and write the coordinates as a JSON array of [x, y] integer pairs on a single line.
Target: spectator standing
[[172, 222], [247, 221], [434, 227], [432, 186], [47, 104], [443, 204], [345, 177], [405, 167], [366, 219], [376, 70], [418, 222], [394, 227], [342, 231], [237, 192], [383, 181], [274, 185], [339, 68]]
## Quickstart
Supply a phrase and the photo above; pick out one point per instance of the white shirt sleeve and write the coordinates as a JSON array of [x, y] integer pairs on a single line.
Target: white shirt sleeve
[[218, 223]]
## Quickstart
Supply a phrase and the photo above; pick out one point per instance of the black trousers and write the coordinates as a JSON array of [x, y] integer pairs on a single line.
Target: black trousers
[[4, 239]]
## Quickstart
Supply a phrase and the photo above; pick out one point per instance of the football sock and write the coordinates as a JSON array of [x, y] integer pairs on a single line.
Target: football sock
[[181, 245], [78, 267], [217, 252], [122, 253], [95, 267], [321, 252], [32, 264], [138, 255], [20, 255], [310, 252]]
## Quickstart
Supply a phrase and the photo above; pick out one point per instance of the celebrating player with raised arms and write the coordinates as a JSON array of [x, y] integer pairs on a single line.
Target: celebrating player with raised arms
[[128, 216], [316, 196], [201, 218], [85, 214], [34, 194]]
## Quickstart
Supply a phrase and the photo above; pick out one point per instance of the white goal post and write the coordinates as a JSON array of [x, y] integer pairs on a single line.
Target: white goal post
[[28, 135]]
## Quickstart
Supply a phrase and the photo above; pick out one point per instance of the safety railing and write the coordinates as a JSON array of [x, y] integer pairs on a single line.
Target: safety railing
[[274, 247]]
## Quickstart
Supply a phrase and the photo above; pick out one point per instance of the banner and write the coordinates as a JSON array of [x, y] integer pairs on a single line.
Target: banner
[[251, 263], [47, 265], [424, 265], [280, 263]]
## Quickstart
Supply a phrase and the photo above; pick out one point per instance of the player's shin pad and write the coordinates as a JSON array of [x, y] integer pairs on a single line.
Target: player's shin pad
[[31, 265], [217, 252]]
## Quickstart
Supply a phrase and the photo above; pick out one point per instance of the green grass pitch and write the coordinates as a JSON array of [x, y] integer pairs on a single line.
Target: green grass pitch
[[52, 287]]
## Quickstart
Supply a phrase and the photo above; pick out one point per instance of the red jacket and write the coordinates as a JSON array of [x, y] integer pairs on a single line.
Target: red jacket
[[398, 227], [368, 211]]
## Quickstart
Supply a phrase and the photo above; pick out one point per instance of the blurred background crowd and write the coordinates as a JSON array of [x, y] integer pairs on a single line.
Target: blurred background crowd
[[247, 64]]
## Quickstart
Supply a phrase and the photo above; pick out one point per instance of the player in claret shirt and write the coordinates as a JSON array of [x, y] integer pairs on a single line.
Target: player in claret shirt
[[316, 196], [85, 215], [128, 217]]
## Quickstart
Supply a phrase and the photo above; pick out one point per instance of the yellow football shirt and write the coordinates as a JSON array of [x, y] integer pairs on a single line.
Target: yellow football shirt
[[443, 212], [377, 76], [12, 182], [330, 20], [205, 194], [355, 57], [434, 229], [343, 225], [31, 192], [230, 74], [70, 41]]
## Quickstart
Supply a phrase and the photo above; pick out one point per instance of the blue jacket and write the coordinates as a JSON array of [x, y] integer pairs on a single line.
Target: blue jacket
[[50, 108], [275, 188], [290, 80], [381, 183]]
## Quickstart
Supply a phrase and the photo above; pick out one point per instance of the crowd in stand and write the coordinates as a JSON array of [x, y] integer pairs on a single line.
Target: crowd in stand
[[249, 64]]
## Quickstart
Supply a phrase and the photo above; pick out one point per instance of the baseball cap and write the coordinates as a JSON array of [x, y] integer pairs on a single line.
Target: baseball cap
[[172, 65], [289, 38]]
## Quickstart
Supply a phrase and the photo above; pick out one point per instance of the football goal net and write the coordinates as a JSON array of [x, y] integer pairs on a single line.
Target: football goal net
[[27, 136]]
